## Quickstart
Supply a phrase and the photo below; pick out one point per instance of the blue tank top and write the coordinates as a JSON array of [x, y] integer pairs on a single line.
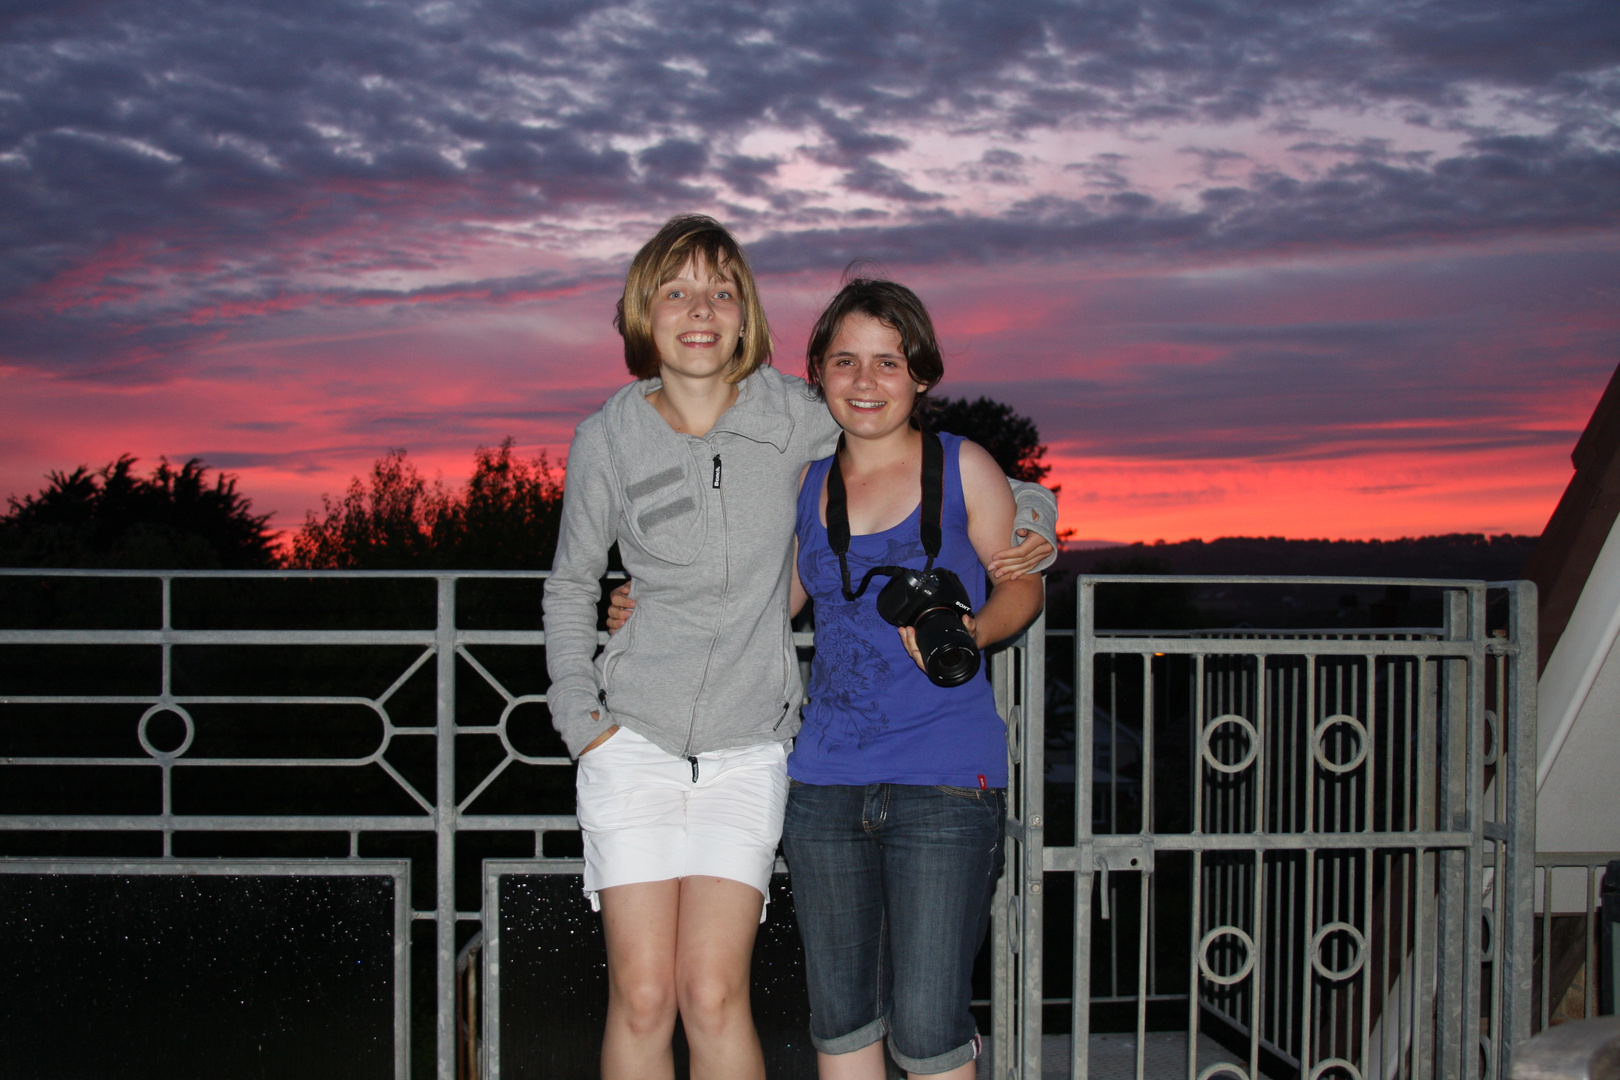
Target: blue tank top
[[873, 716]]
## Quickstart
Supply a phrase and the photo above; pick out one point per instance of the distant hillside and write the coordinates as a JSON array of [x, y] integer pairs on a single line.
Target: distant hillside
[[1456, 555]]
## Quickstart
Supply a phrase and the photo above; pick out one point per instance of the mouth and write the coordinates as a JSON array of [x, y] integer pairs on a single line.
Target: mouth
[[698, 338], [865, 406]]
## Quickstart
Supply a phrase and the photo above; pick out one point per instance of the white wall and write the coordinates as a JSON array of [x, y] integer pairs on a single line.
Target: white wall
[[1578, 772]]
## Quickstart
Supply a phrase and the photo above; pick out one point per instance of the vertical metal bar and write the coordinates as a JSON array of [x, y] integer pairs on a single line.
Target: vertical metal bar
[[1003, 942], [1085, 653], [1451, 865], [1471, 751], [1192, 976], [1366, 974], [1141, 973], [402, 973], [1516, 773], [1257, 977], [1423, 963], [1032, 795], [1306, 982], [1546, 946], [444, 824], [1589, 925], [491, 1060]]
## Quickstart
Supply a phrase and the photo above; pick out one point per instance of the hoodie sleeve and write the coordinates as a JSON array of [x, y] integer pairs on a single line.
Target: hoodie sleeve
[[1037, 512], [589, 516]]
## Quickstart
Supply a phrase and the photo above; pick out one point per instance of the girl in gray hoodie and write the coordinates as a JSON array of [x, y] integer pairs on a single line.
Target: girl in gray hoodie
[[680, 724]]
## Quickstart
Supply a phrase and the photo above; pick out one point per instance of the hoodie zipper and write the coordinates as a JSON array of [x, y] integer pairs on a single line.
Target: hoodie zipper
[[720, 619]]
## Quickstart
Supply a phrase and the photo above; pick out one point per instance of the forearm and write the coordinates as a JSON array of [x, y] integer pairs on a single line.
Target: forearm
[[1012, 606], [590, 509], [571, 635]]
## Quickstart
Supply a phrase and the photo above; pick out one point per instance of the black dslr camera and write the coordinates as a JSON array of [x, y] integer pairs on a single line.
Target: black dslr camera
[[933, 602]]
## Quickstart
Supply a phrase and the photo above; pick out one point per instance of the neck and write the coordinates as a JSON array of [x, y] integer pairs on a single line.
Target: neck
[[692, 406], [870, 455]]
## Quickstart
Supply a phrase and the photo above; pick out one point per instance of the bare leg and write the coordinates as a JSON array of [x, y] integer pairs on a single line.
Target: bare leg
[[640, 924], [863, 1064], [965, 1071], [714, 952]]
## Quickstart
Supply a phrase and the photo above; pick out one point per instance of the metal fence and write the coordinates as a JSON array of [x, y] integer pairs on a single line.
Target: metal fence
[[1314, 848], [1310, 852]]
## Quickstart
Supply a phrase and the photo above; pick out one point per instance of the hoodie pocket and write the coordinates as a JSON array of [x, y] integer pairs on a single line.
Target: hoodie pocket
[[666, 513]]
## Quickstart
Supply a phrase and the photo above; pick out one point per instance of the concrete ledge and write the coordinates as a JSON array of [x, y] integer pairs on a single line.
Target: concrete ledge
[[1578, 1050]]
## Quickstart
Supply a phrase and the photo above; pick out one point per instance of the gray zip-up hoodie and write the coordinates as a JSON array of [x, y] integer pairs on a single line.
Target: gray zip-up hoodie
[[705, 529]]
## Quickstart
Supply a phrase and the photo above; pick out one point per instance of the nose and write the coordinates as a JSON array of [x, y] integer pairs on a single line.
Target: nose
[[701, 306]]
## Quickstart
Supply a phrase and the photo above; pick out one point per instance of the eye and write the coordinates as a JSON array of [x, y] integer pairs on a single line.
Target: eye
[[676, 294], [723, 294]]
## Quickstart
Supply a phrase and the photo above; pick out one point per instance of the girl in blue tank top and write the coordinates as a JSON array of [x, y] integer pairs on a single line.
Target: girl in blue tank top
[[874, 716], [895, 810]]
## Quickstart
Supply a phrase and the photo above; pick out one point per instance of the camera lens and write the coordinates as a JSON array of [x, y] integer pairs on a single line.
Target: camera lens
[[950, 655]]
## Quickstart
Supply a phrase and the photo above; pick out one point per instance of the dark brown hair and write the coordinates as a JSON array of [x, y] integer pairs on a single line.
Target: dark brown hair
[[683, 238], [896, 307]]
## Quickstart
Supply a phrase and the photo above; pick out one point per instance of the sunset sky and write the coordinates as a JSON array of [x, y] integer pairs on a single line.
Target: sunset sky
[[1306, 268]]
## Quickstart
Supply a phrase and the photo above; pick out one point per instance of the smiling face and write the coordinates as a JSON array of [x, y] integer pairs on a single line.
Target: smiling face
[[868, 385], [697, 321]]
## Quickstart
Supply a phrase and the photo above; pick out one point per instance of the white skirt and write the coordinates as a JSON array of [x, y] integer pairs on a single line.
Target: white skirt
[[644, 817]]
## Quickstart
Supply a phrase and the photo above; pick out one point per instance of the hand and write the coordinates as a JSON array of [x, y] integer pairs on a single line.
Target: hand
[[620, 605], [908, 637], [1014, 562], [600, 739]]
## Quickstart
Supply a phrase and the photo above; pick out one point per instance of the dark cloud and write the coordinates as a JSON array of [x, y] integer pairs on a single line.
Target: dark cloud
[[167, 167]]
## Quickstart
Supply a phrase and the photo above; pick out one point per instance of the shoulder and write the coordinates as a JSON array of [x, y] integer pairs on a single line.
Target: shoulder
[[984, 485], [974, 460], [801, 400]]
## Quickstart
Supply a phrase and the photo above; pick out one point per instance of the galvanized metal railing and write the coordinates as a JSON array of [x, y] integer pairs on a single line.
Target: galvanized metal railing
[[1316, 844], [1346, 889]]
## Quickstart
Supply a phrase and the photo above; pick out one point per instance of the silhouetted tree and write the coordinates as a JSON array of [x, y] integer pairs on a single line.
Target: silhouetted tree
[[504, 519], [112, 518], [1013, 440]]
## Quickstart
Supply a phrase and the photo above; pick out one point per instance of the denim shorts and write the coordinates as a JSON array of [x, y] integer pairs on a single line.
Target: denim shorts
[[892, 886]]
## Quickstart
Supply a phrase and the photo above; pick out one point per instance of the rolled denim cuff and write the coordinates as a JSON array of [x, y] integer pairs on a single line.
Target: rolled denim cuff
[[939, 1063], [859, 1039]]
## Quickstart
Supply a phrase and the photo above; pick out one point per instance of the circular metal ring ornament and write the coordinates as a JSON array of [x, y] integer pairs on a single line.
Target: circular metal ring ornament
[[1487, 926], [513, 752], [1223, 1067], [1320, 754], [1248, 958], [185, 718], [1320, 939], [1493, 731], [1335, 1063], [1209, 730]]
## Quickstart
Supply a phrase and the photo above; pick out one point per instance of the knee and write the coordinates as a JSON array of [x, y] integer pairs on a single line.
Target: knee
[[710, 1001], [645, 1005]]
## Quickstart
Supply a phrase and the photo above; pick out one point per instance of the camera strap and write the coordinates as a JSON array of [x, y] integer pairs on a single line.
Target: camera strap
[[933, 508]]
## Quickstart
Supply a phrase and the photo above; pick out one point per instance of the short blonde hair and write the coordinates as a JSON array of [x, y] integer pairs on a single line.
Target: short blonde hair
[[682, 239]]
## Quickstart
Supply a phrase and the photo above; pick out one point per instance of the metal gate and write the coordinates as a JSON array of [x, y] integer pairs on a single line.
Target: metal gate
[[1308, 854]]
